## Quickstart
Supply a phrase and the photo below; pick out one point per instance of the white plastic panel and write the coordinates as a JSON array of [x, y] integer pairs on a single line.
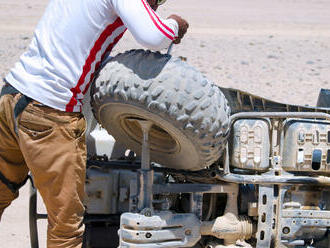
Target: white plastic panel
[[250, 144], [306, 146]]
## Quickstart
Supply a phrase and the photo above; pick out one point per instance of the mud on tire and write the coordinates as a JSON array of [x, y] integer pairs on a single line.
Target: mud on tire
[[190, 114]]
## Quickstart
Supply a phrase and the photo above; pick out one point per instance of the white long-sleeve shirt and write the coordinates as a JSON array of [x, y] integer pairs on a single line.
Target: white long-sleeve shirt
[[73, 37]]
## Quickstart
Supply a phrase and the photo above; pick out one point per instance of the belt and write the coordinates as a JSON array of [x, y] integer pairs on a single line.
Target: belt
[[21, 104]]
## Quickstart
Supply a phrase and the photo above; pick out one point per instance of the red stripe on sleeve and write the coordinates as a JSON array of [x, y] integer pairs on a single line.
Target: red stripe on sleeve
[[109, 49], [164, 25], [90, 59], [156, 24]]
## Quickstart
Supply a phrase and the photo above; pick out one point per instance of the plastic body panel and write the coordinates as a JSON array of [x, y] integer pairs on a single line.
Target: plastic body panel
[[306, 146], [250, 144]]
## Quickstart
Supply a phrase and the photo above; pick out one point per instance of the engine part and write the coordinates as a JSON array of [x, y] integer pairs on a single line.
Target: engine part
[[162, 229], [107, 191], [250, 144], [190, 114], [304, 224], [304, 214], [306, 146], [228, 227], [101, 191]]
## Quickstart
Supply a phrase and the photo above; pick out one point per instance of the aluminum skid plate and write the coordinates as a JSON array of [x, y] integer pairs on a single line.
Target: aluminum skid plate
[[162, 229]]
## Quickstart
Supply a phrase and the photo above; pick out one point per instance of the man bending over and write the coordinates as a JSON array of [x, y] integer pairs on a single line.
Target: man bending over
[[41, 125]]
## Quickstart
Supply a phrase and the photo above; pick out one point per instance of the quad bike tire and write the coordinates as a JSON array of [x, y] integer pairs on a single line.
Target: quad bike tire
[[190, 115]]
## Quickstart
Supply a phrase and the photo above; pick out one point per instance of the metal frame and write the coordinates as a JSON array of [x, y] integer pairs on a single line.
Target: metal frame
[[34, 216], [271, 177]]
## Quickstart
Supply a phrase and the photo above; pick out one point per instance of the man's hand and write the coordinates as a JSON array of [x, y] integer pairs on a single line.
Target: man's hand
[[183, 26]]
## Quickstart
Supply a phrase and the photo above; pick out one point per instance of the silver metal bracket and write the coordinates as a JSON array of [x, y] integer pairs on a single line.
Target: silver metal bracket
[[146, 177], [163, 229]]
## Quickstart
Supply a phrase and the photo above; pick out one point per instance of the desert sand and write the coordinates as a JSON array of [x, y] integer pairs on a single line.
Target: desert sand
[[276, 49]]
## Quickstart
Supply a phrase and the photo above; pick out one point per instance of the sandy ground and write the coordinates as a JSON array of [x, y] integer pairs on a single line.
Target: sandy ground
[[277, 49]]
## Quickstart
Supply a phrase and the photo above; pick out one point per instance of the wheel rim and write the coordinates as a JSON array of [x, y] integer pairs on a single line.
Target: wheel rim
[[161, 141]]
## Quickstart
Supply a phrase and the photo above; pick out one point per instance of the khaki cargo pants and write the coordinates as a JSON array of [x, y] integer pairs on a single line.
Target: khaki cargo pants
[[51, 145]]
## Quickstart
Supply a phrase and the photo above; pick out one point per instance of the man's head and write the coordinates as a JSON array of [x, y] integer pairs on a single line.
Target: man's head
[[155, 3]]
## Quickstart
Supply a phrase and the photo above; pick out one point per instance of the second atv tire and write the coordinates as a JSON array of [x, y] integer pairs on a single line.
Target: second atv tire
[[190, 115]]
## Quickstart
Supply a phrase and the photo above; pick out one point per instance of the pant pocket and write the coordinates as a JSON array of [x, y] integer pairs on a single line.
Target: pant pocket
[[35, 124], [35, 130]]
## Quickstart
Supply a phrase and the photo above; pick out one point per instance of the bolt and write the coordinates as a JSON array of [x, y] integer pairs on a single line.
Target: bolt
[[286, 230], [188, 232], [148, 235], [147, 212]]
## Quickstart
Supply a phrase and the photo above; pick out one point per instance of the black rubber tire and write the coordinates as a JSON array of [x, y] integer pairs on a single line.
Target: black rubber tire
[[190, 114]]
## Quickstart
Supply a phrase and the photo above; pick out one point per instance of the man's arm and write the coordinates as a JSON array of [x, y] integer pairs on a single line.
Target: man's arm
[[149, 29]]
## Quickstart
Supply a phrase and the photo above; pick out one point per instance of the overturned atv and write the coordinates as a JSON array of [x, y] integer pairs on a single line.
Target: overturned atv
[[202, 178]]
